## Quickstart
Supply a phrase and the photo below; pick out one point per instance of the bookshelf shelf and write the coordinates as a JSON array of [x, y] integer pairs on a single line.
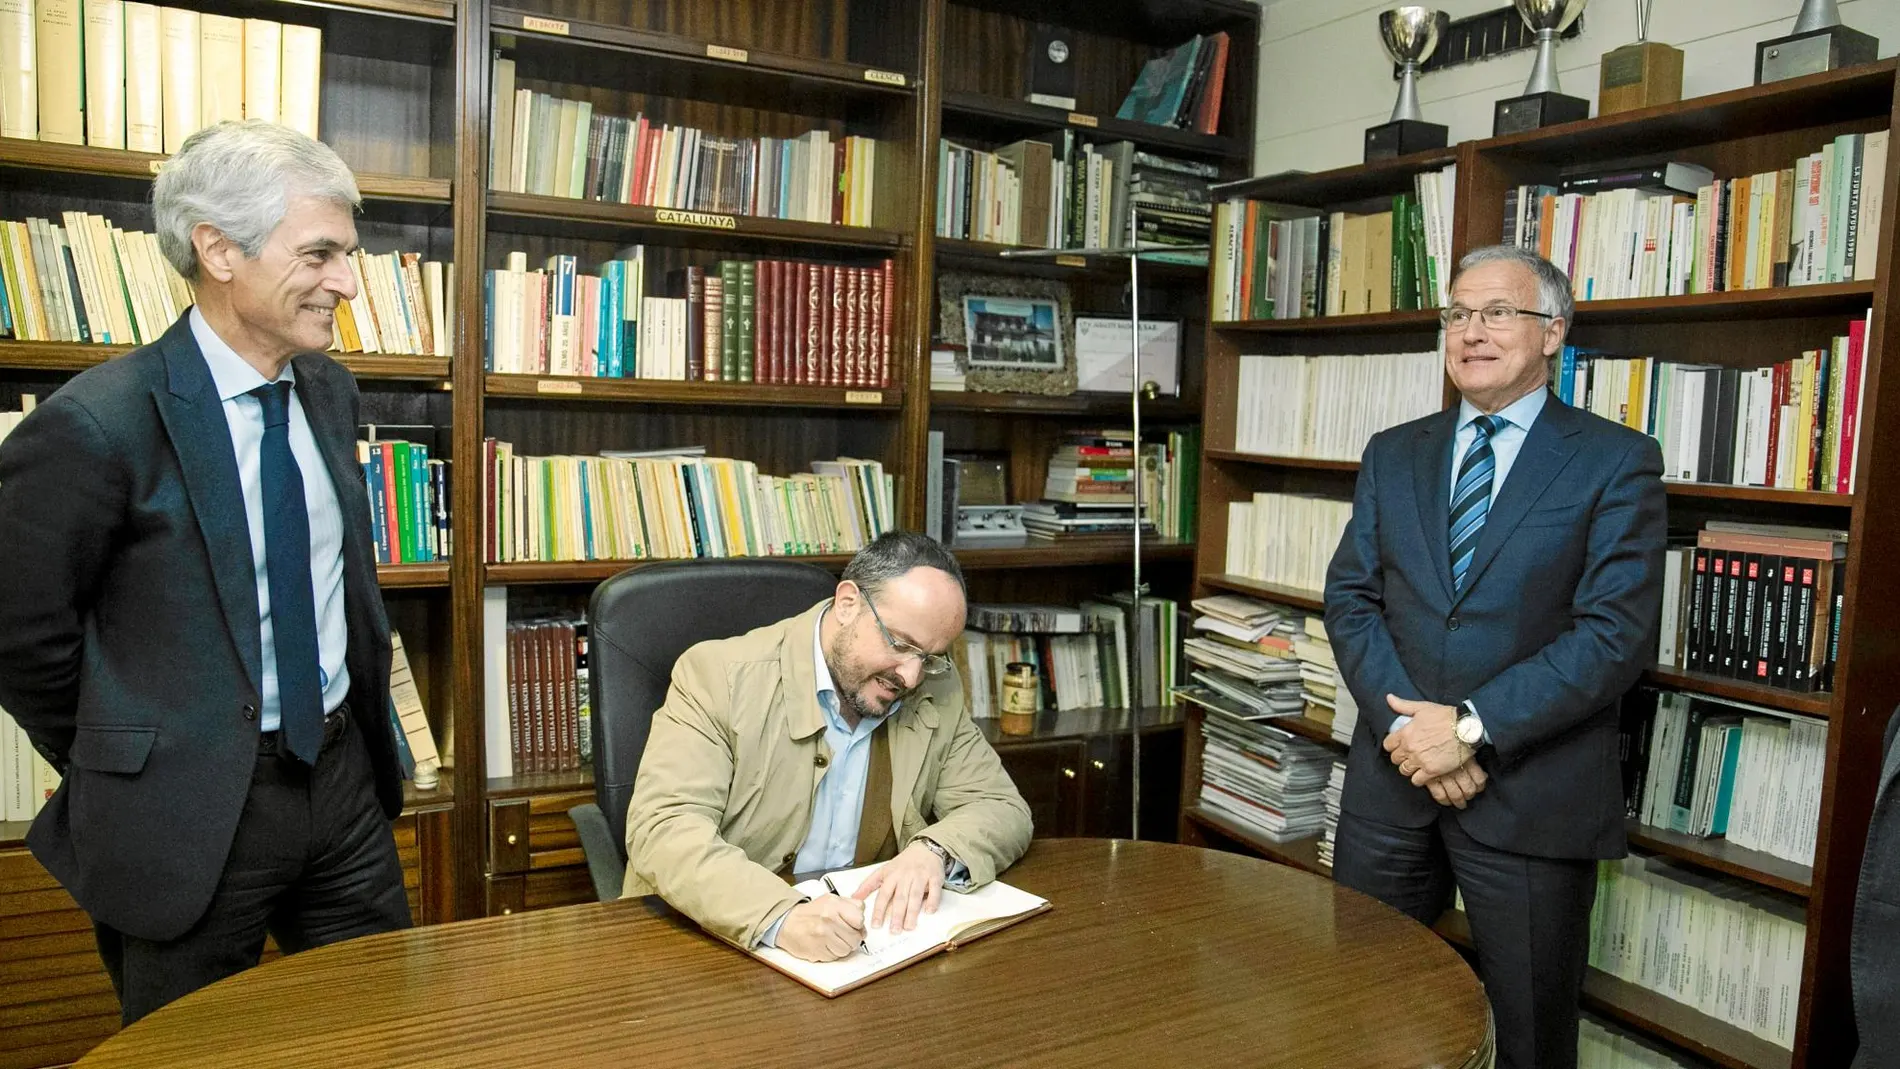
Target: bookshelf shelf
[[1310, 600], [20, 154], [721, 394], [594, 571], [1720, 855], [1343, 185], [989, 256], [1653, 1014], [412, 576], [1425, 319], [1133, 18], [1002, 115], [78, 356], [1315, 463], [1071, 552], [1769, 494], [575, 218], [1847, 298], [1106, 406], [1817, 704], [1863, 91], [531, 783], [1302, 854], [708, 70], [1310, 730]]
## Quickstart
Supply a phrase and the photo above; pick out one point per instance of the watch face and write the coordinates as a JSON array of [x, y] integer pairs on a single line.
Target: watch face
[[1470, 731]]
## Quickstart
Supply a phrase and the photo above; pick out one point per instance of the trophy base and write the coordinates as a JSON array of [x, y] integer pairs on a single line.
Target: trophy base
[[1639, 76], [1402, 137], [1518, 114], [1812, 53]]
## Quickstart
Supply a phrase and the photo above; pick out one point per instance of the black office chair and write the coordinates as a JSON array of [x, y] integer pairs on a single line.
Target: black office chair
[[639, 623]]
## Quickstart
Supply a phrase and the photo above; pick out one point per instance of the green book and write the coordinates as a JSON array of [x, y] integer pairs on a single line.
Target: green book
[[729, 322], [1404, 268], [748, 300]]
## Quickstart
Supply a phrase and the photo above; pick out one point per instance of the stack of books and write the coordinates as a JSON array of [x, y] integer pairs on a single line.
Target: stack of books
[[673, 504], [1601, 1047], [1092, 468], [1285, 539], [1756, 602], [1675, 228], [1319, 673], [1263, 777], [1329, 407], [142, 77], [944, 372], [547, 702], [1182, 86], [1793, 425], [1167, 202], [554, 147], [1335, 790], [1241, 660]]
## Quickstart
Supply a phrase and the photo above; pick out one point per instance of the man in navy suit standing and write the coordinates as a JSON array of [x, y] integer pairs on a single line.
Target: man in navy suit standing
[[1494, 595]]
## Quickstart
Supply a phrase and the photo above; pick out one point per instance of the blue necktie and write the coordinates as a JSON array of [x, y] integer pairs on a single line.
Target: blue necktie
[[1471, 498], [293, 609]]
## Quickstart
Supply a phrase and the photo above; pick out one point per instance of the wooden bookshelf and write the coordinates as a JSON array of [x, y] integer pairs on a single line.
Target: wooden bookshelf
[[989, 256], [1080, 405], [1302, 854], [17, 154], [1367, 323], [1816, 703], [1720, 855], [1014, 118], [715, 394], [413, 576], [1767, 495], [1310, 600], [1312, 463], [78, 356], [570, 217], [1343, 185]]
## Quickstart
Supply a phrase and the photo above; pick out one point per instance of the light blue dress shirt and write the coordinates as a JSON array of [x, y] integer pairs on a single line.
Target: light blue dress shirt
[[235, 379], [1506, 442]]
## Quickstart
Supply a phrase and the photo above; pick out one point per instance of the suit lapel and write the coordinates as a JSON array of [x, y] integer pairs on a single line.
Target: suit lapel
[[1546, 452], [1431, 486], [201, 437]]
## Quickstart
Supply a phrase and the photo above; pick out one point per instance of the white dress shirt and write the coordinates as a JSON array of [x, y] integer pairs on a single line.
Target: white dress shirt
[[235, 379]]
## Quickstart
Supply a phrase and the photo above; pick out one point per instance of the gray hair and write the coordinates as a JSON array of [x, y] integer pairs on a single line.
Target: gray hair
[[896, 552], [240, 177], [1553, 286]]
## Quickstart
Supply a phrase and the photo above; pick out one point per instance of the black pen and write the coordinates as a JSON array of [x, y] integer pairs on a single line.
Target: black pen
[[833, 888]]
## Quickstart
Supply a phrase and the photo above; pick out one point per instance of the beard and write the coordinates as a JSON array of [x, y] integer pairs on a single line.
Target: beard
[[852, 682]]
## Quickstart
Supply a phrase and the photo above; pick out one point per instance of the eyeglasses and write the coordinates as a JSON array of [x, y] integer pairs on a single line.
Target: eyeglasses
[[1494, 316], [933, 664]]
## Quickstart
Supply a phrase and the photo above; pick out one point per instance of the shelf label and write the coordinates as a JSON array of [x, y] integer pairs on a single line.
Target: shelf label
[[544, 25], [1076, 118], [1071, 261], [567, 386], [864, 397], [705, 219], [885, 77], [729, 54], [155, 166]]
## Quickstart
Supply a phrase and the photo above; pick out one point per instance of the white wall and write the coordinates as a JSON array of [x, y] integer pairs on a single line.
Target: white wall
[[1324, 77]]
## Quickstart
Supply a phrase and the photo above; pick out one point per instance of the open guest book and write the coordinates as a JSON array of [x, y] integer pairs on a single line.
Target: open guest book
[[960, 918]]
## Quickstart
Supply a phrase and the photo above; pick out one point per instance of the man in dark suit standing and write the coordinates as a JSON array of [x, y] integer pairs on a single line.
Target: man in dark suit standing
[[1874, 961], [1495, 593], [190, 626]]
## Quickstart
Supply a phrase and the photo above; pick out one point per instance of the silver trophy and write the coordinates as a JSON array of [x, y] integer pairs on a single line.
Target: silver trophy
[[1543, 103], [1410, 36], [1819, 43]]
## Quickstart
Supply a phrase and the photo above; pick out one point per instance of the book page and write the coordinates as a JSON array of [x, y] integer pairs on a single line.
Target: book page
[[957, 913]]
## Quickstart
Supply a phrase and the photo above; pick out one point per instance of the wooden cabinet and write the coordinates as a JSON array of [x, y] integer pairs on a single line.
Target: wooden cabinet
[[1076, 771], [534, 854], [56, 1002]]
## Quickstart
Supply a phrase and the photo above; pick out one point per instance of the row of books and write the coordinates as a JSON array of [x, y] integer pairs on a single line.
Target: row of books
[[1793, 425], [1089, 486], [26, 779], [1601, 1047], [557, 147], [1718, 769], [86, 281], [1756, 602], [404, 306], [549, 707], [674, 504], [1081, 654], [408, 498], [1182, 86], [1675, 229], [121, 75], [1263, 777], [1285, 539], [1335, 794], [415, 740], [770, 321], [1329, 407], [1722, 948], [1266, 266], [1092, 468]]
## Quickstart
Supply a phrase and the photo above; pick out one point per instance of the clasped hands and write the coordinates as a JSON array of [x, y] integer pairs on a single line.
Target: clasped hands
[[832, 926], [1427, 752]]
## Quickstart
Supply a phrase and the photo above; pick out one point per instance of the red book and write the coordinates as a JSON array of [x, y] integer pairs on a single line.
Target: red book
[[1850, 402], [834, 325], [1209, 115], [784, 343], [806, 355], [391, 522], [695, 324], [636, 173], [853, 360], [762, 321], [888, 294]]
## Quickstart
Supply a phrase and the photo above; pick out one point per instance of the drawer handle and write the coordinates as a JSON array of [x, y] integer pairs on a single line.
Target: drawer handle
[[507, 911], [513, 838], [1098, 765], [1069, 772]]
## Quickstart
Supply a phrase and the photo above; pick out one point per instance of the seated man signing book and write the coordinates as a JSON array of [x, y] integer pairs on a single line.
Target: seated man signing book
[[834, 739]]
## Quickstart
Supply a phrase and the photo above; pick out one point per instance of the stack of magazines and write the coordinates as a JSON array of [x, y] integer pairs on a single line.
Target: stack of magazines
[[1241, 658], [1264, 777]]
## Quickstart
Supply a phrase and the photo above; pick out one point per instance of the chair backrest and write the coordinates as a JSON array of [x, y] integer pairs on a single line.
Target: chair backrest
[[639, 623]]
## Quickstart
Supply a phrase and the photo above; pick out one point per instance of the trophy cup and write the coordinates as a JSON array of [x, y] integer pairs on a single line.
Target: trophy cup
[[1639, 75], [1410, 35], [1542, 104], [1819, 43]]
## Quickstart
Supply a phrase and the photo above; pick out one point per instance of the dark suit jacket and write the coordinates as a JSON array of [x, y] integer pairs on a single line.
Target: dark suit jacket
[[129, 647], [1874, 961], [1557, 619]]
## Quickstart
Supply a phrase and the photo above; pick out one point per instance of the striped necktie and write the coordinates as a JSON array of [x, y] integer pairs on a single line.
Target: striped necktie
[[1471, 498]]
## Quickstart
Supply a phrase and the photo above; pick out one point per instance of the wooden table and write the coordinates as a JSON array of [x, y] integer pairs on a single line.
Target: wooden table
[[1155, 955]]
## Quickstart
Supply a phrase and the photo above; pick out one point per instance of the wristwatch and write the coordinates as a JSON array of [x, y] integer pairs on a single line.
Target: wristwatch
[[1469, 729], [943, 855]]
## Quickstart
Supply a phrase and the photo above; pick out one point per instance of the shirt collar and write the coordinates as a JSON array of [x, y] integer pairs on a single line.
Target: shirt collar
[[229, 371], [1520, 413]]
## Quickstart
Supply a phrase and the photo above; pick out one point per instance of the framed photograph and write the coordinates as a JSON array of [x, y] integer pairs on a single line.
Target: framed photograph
[[1013, 332], [1102, 356]]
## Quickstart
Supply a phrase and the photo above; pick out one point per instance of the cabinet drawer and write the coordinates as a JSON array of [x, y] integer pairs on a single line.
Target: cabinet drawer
[[529, 834]]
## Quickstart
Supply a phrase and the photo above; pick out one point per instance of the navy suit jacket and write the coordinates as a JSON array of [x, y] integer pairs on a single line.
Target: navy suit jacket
[[1557, 619], [129, 646]]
